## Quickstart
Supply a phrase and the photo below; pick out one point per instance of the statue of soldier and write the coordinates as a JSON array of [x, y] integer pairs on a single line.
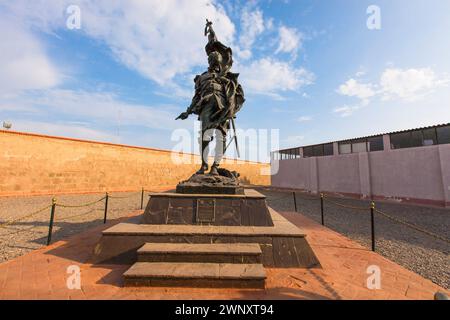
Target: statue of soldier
[[218, 97]]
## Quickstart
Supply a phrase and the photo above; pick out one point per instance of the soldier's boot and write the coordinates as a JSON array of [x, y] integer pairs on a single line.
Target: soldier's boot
[[214, 171], [204, 167], [220, 150]]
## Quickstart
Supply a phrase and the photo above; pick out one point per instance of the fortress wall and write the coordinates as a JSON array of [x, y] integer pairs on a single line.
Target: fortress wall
[[38, 164]]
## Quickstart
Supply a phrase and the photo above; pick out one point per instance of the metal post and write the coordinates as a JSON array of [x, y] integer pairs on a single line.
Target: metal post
[[295, 201], [52, 218], [321, 208], [106, 207], [142, 198], [372, 224]]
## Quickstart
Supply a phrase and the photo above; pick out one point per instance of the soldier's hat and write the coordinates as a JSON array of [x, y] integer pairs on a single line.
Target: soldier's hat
[[225, 52]]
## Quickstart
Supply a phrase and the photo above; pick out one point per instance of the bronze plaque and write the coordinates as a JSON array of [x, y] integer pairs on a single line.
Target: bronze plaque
[[206, 210]]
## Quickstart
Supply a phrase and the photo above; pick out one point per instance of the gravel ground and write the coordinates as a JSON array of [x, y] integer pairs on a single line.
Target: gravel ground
[[31, 233], [414, 250]]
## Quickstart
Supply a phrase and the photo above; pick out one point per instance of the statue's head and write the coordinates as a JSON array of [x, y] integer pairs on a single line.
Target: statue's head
[[214, 60]]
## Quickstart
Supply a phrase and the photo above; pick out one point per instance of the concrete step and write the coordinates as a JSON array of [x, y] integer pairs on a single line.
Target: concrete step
[[200, 275], [200, 252]]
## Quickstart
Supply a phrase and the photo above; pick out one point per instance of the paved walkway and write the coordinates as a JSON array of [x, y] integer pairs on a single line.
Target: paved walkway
[[42, 274]]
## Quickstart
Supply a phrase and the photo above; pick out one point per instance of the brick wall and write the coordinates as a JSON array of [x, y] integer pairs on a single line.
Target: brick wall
[[37, 164]]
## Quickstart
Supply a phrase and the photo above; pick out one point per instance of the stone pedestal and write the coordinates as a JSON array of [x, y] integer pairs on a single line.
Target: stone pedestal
[[248, 209]]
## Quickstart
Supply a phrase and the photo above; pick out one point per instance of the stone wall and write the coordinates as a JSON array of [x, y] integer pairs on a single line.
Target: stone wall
[[38, 164]]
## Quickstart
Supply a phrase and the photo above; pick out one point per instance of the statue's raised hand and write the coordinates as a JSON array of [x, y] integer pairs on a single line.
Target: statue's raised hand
[[183, 116]]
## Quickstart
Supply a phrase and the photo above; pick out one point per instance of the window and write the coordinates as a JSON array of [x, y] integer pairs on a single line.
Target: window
[[296, 153], [419, 138], [308, 152], [328, 149], [375, 143], [359, 146], [443, 134], [345, 148], [318, 150], [400, 140], [416, 138], [429, 137]]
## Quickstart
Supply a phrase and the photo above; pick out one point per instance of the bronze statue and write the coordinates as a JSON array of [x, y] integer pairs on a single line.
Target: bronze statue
[[218, 97]]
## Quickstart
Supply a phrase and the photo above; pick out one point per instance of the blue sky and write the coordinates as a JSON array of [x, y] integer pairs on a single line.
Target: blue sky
[[312, 69]]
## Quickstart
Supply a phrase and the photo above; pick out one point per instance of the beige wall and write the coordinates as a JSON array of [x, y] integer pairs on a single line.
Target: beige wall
[[36, 164]]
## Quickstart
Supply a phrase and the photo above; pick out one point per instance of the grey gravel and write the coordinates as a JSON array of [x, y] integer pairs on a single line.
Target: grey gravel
[[414, 250]]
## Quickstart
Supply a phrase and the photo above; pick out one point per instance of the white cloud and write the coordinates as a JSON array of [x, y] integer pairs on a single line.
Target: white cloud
[[353, 88], [346, 111], [290, 40], [23, 62], [252, 25], [304, 118], [159, 39], [409, 84], [163, 40], [62, 129], [406, 85], [269, 76], [99, 108]]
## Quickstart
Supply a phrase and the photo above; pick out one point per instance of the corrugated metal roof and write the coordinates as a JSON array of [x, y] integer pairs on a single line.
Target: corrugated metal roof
[[370, 136]]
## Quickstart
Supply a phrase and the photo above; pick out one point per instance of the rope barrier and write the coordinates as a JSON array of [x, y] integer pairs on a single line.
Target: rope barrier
[[413, 226], [54, 205], [24, 217], [81, 205], [123, 197], [346, 206], [308, 198]]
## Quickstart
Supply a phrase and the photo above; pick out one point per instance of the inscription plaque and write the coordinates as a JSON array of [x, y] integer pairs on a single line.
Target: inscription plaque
[[206, 210]]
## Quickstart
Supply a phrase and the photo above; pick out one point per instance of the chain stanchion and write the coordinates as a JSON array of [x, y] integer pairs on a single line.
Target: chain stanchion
[[295, 201], [106, 207], [372, 224], [321, 209], [52, 218], [142, 198]]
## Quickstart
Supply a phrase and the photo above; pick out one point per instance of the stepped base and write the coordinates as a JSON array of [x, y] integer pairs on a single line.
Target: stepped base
[[210, 275], [202, 253], [283, 245]]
